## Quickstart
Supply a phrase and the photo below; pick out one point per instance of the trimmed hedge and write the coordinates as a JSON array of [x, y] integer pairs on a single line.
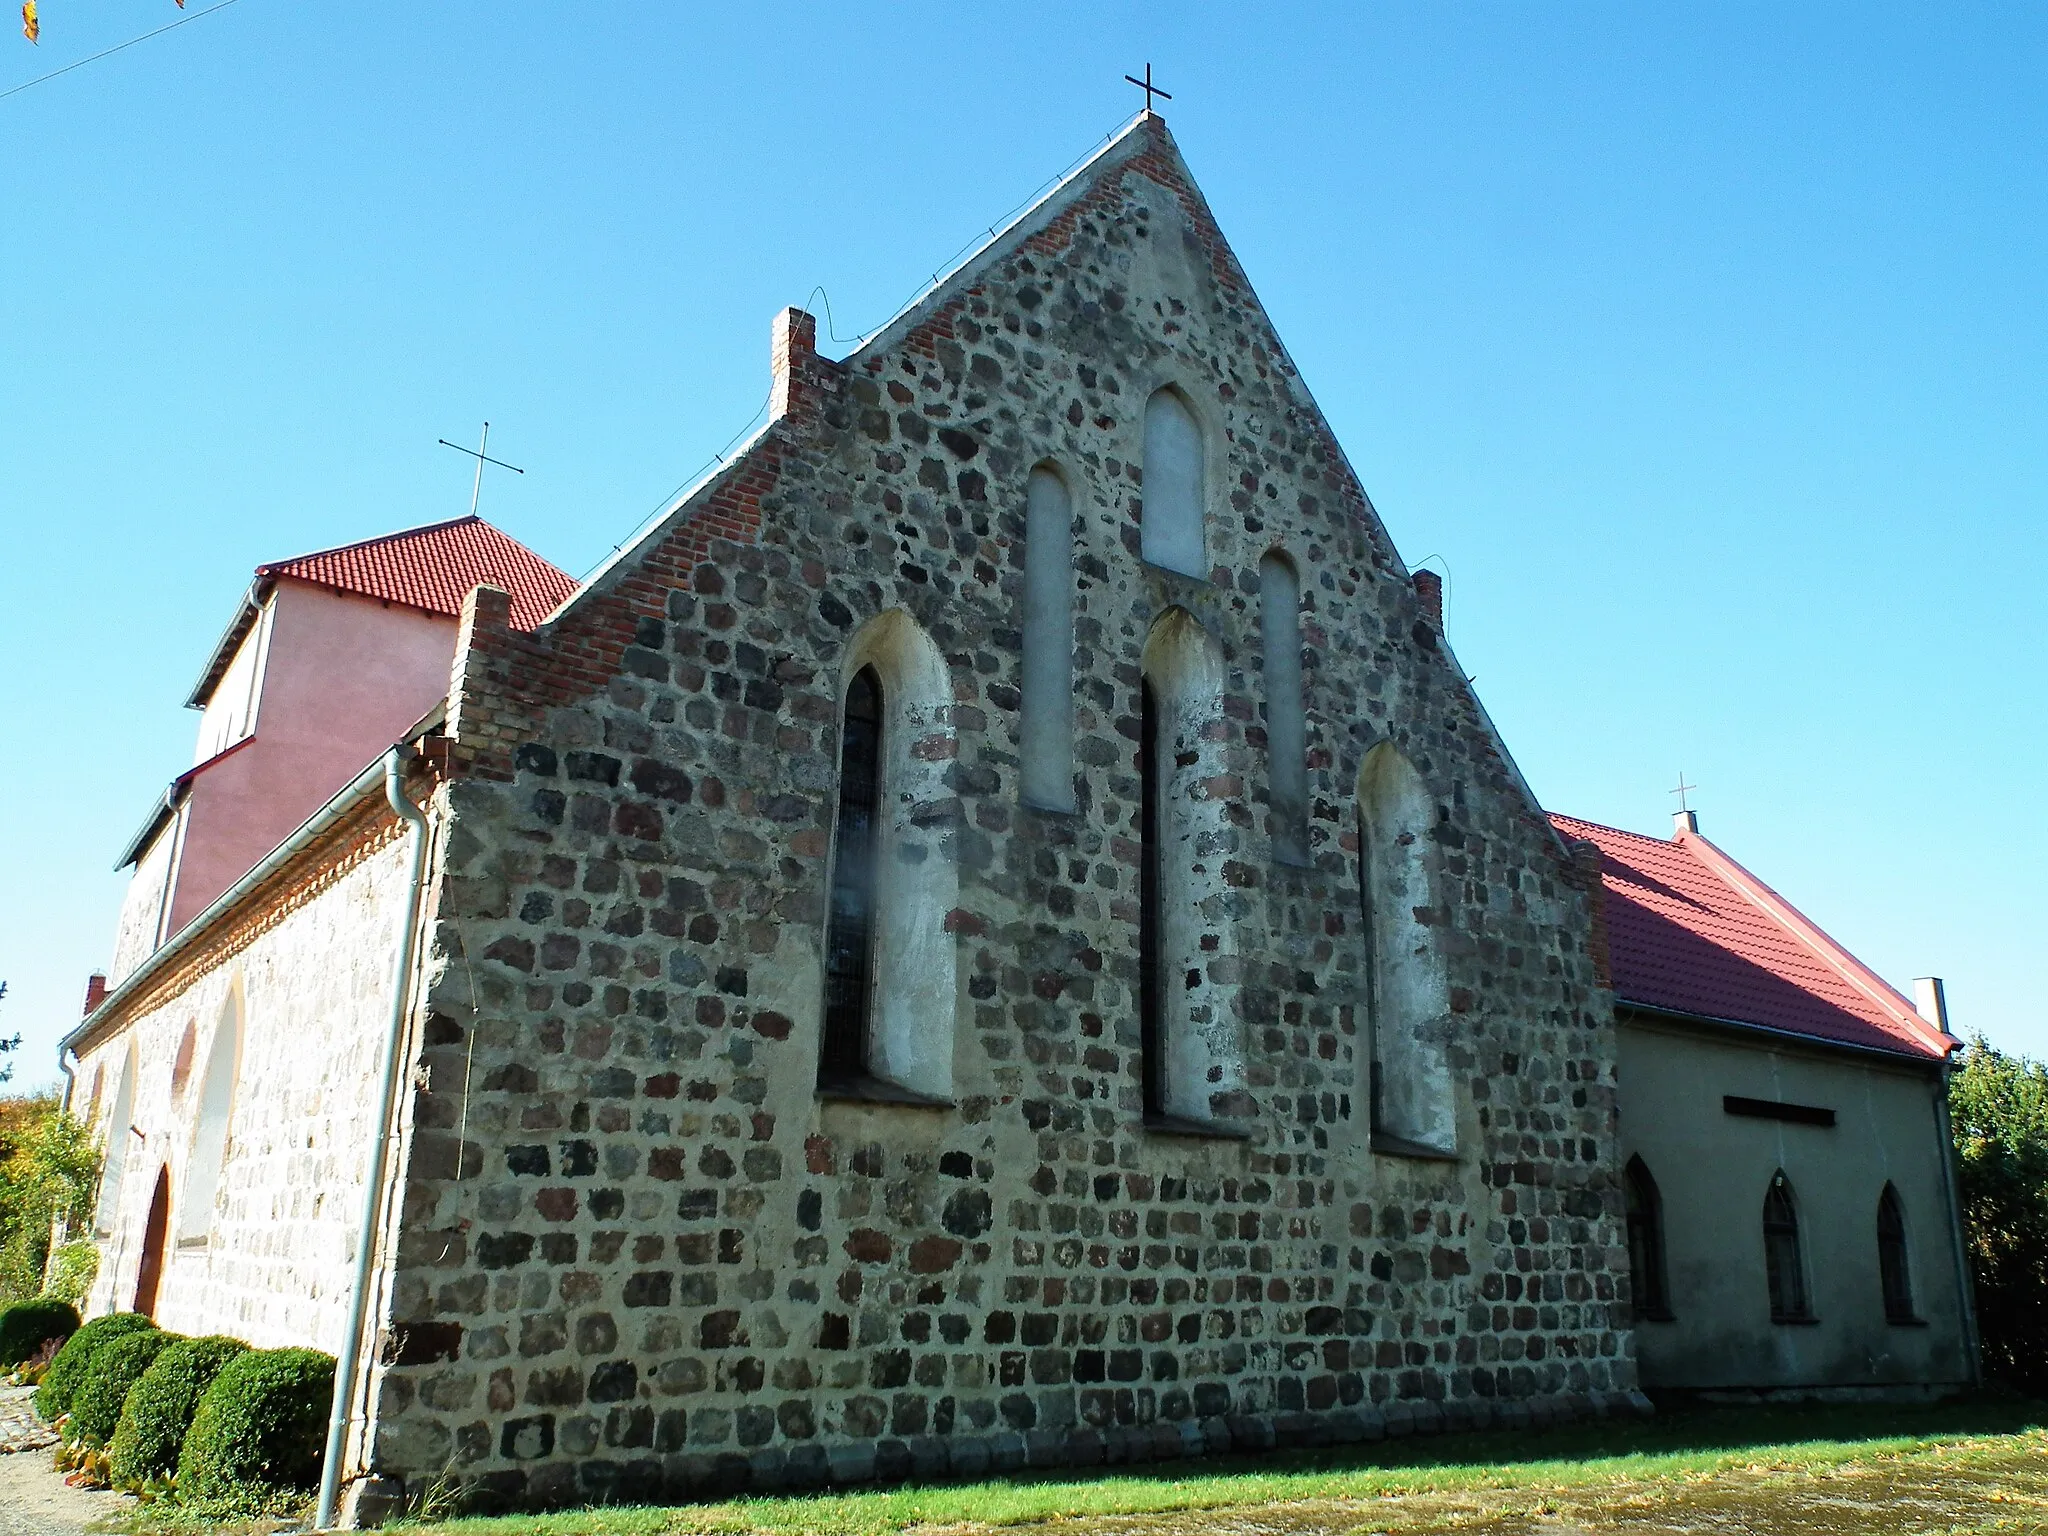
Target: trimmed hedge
[[160, 1409], [96, 1405], [67, 1371], [25, 1325], [257, 1438]]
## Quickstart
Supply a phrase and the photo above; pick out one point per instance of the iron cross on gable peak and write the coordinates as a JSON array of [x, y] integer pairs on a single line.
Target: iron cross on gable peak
[[1148, 87], [476, 488]]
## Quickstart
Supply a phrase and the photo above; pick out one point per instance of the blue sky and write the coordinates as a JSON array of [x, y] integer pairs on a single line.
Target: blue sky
[[1703, 347]]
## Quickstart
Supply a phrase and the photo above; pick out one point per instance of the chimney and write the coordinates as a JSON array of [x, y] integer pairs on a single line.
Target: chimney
[[1429, 591], [793, 356], [96, 991], [1683, 822], [1931, 999]]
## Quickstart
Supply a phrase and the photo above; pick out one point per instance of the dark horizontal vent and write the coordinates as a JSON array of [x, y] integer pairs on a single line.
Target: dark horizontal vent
[[1771, 1109]]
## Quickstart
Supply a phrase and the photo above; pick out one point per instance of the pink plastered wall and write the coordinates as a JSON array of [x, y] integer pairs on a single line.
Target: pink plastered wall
[[344, 678]]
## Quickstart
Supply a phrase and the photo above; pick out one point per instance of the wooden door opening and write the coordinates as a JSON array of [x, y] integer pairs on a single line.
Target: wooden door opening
[[156, 1239]]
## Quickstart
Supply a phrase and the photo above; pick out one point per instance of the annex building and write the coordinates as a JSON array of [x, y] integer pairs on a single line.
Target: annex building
[[995, 934]]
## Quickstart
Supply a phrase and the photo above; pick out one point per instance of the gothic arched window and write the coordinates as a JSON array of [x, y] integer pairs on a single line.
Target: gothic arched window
[[849, 934], [1413, 1108], [1784, 1265], [1046, 725], [210, 1134], [1189, 1048], [1646, 1241], [1286, 722], [1893, 1272], [1170, 525]]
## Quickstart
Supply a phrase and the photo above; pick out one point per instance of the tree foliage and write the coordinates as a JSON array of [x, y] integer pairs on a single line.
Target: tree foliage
[[1998, 1105], [49, 1169]]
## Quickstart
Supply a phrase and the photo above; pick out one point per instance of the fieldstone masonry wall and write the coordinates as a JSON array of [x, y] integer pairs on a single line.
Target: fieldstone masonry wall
[[640, 1255]]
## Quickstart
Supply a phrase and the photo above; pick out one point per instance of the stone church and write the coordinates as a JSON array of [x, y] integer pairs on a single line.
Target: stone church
[[996, 934]]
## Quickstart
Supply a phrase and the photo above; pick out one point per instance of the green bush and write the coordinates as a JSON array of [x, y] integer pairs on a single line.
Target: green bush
[[73, 1268], [256, 1440], [96, 1405], [67, 1371], [160, 1409], [25, 1325]]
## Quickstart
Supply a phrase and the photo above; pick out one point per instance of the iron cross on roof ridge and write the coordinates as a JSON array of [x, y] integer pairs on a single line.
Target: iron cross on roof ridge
[[1681, 791], [477, 487], [1148, 87]]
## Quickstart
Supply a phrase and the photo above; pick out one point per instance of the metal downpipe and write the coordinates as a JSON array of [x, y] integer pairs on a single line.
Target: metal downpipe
[[346, 1367]]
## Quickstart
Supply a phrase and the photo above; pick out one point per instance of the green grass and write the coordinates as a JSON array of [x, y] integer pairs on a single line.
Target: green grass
[[1674, 1448]]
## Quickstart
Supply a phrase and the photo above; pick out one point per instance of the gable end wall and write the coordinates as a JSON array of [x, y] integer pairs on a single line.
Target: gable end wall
[[642, 1258]]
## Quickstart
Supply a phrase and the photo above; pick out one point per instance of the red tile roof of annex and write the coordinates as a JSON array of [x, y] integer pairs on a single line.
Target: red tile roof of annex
[[1692, 932], [434, 568]]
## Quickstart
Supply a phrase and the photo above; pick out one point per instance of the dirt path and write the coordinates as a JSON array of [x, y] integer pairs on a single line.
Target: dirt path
[[35, 1502], [33, 1498]]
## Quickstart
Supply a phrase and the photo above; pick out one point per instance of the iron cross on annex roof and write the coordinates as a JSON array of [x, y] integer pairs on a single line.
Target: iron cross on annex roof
[[477, 488], [1683, 787], [1148, 87]]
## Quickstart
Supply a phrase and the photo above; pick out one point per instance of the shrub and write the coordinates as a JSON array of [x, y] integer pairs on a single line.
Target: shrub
[[67, 1371], [1999, 1105], [256, 1440], [73, 1268], [160, 1409], [96, 1405], [25, 1325]]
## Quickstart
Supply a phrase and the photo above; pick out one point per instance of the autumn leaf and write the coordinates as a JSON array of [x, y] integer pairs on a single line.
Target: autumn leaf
[[31, 25]]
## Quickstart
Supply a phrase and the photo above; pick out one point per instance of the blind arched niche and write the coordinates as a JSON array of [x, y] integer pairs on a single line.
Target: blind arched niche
[[115, 1150], [210, 1133], [1412, 1103], [1170, 522], [1046, 724], [1286, 718]]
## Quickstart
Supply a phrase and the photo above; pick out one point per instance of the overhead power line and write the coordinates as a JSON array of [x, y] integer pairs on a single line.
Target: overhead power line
[[109, 52]]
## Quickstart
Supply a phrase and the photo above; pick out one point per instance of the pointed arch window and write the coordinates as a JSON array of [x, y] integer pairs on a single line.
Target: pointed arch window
[[1893, 1271], [1170, 524], [849, 938], [1190, 1048], [210, 1132], [1784, 1263], [1046, 726], [1646, 1241], [1286, 722]]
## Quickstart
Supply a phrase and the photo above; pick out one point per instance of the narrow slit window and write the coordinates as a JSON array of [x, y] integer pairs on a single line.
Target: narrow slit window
[[1646, 1241], [1151, 1000], [1892, 1270], [1286, 724], [1784, 1266], [1047, 724], [849, 938]]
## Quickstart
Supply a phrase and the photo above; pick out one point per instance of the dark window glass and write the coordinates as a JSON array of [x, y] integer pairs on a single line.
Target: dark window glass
[[1151, 1002], [1783, 1270], [1372, 978], [1892, 1272], [1646, 1240], [849, 933]]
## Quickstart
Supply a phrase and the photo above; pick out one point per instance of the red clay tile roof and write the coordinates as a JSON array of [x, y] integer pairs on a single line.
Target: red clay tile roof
[[435, 567], [1690, 931]]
